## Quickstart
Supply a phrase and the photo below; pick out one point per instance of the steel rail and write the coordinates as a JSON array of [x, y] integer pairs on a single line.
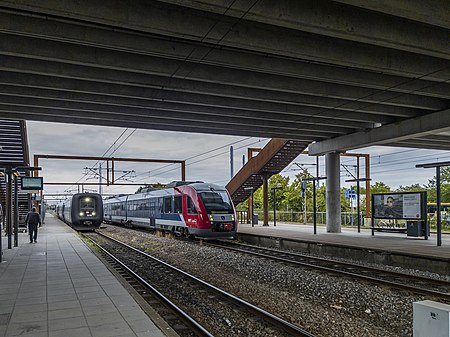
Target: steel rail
[[275, 320], [334, 265], [197, 328]]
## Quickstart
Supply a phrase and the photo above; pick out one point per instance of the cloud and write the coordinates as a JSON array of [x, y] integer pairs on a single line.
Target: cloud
[[207, 156], [81, 140]]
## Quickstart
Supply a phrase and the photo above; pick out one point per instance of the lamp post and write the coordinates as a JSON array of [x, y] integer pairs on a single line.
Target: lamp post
[[357, 198], [251, 212], [274, 189]]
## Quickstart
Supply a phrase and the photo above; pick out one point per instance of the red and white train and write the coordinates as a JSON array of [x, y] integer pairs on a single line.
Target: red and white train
[[194, 209]]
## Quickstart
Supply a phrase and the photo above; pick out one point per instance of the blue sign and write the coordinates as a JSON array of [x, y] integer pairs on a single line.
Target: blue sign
[[350, 194]]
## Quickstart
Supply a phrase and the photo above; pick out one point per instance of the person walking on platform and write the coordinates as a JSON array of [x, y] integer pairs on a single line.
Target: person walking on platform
[[33, 220]]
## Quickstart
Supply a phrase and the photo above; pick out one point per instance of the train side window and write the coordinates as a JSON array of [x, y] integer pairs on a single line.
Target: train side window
[[153, 203], [161, 205], [177, 204], [190, 206], [167, 204]]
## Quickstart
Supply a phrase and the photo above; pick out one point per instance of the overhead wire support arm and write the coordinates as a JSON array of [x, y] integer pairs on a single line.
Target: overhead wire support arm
[[348, 171], [112, 160]]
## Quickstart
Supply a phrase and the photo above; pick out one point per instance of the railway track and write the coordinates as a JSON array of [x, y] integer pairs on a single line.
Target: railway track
[[205, 309], [416, 284]]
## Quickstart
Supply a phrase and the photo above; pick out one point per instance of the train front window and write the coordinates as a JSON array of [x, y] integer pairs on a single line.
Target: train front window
[[87, 203], [87, 207], [216, 202]]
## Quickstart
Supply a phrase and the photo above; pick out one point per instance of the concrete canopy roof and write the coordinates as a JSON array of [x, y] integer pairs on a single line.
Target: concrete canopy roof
[[310, 71]]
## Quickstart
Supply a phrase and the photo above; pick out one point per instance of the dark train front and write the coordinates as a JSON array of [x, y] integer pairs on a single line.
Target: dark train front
[[83, 211]]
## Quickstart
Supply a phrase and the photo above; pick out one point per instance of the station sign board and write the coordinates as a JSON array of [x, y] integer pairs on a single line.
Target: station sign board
[[32, 183]]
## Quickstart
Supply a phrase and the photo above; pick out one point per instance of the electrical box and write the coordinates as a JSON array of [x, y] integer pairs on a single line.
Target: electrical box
[[431, 319], [413, 228]]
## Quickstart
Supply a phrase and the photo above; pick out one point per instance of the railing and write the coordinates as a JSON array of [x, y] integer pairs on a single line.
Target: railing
[[347, 219], [243, 216]]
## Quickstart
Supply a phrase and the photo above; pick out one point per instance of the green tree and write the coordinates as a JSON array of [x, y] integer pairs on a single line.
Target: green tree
[[411, 188], [282, 187], [276, 180], [445, 186], [321, 198], [379, 187]]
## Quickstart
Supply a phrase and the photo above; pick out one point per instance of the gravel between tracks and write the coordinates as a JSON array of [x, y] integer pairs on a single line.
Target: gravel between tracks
[[326, 305]]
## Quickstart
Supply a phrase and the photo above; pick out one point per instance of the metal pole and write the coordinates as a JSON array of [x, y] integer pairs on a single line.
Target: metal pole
[[107, 172], [3, 222], [367, 166], [231, 163], [183, 170], [438, 204], [314, 208], [358, 206], [265, 200], [9, 209], [100, 179], [16, 212], [304, 200], [274, 207], [252, 210]]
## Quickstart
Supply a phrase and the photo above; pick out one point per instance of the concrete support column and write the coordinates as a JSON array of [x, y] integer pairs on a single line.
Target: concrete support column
[[332, 164]]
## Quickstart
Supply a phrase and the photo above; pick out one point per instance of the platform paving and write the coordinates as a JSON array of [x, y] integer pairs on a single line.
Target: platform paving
[[384, 241], [58, 288]]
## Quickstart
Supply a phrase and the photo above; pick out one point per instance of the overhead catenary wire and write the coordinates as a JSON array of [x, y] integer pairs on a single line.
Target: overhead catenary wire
[[104, 154], [195, 156]]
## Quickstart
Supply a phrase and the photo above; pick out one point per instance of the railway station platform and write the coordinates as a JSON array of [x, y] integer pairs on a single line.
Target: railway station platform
[[59, 288], [383, 247]]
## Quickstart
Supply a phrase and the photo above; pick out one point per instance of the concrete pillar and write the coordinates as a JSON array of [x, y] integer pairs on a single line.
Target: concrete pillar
[[332, 164]]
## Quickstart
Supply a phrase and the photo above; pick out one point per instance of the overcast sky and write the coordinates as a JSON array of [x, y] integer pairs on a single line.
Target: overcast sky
[[207, 157]]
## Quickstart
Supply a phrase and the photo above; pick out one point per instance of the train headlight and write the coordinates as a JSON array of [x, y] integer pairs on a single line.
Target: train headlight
[[211, 217], [232, 217], [81, 213], [87, 199], [93, 213]]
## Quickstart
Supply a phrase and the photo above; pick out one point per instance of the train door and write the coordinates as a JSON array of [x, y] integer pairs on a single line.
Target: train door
[[191, 213], [152, 211]]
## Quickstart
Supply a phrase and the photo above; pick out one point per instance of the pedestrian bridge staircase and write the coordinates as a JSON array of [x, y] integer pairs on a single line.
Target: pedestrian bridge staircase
[[273, 158]]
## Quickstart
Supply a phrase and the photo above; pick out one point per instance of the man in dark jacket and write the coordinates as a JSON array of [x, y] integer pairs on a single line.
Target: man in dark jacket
[[33, 220]]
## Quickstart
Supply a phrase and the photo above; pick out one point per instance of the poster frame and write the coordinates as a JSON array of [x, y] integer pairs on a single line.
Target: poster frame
[[423, 203]]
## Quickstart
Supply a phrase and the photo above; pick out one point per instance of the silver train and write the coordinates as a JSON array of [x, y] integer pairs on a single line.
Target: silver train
[[188, 209]]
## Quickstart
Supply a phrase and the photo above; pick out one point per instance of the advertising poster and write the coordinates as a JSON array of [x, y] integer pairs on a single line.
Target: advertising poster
[[397, 206]]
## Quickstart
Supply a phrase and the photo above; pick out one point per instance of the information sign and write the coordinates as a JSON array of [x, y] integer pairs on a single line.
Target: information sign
[[31, 183]]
